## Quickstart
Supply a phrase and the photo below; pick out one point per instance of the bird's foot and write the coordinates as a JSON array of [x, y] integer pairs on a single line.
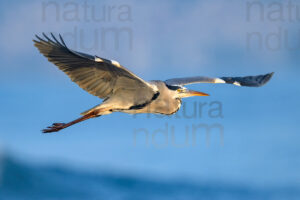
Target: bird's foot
[[54, 128]]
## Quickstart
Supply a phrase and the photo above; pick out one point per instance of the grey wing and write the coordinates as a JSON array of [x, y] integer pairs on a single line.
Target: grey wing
[[250, 81], [98, 76]]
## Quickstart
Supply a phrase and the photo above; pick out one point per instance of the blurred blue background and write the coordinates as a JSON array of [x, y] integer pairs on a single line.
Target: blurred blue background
[[121, 156]]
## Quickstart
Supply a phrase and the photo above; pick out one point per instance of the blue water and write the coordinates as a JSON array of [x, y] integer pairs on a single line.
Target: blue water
[[28, 181]]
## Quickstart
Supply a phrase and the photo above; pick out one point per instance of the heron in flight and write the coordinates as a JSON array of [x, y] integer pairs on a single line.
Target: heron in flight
[[122, 90]]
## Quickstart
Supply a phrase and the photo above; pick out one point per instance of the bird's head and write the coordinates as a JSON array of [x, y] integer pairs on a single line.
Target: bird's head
[[182, 92]]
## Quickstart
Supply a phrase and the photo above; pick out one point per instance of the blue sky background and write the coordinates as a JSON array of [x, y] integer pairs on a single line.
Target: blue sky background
[[169, 39]]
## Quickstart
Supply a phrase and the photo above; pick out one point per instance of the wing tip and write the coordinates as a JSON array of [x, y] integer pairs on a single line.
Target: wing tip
[[271, 74], [267, 78], [44, 38]]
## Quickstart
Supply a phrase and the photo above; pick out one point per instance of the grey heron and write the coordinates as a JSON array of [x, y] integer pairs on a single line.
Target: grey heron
[[120, 89]]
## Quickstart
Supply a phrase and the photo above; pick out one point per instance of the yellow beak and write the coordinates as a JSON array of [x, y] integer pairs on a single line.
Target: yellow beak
[[196, 93], [191, 93]]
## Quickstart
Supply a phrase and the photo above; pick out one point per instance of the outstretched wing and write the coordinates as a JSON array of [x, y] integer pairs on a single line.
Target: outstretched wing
[[96, 75], [250, 81]]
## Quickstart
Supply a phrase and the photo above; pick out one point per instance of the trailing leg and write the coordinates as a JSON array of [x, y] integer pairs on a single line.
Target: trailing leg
[[59, 126]]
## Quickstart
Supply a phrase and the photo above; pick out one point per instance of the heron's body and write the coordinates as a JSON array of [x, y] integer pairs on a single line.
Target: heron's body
[[122, 90], [162, 102]]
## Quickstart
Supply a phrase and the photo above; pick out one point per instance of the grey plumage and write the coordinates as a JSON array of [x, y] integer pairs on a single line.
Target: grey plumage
[[103, 78], [122, 90], [250, 81]]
